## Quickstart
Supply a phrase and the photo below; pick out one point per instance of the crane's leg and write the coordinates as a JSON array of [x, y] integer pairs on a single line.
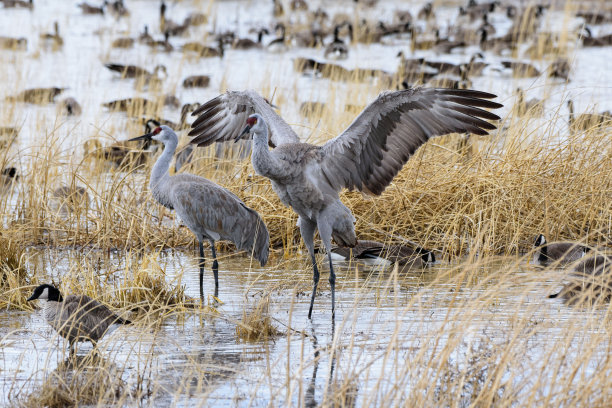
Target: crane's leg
[[307, 230], [325, 232], [201, 272], [215, 267]]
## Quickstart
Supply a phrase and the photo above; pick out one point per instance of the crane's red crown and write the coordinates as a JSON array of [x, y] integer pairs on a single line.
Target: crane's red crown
[[157, 130], [251, 121]]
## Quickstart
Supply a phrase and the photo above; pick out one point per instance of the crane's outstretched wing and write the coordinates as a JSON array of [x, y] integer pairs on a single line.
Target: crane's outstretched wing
[[373, 149], [224, 117]]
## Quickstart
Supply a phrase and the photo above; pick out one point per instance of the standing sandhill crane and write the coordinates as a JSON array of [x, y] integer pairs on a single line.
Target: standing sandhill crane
[[209, 211], [366, 156]]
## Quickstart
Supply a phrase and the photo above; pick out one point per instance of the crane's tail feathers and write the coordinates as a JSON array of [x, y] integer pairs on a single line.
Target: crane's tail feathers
[[256, 241]]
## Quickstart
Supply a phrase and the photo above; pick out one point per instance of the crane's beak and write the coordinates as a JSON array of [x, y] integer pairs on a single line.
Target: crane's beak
[[247, 129], [148, 136]]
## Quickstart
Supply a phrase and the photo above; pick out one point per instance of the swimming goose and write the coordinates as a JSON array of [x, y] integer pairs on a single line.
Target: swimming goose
[[196, 81], [76, 318], [8, 176], [247, 43], [123, 42], [10, 43], [558, 252], [69, 107], [533, 106], [278, 44], [205, 51], [133, 71], [589, 41], [377, 253], [54, 39], [521, 69], [89, 9], [29, 4], [39, 96], [586, 121], [591, 279]]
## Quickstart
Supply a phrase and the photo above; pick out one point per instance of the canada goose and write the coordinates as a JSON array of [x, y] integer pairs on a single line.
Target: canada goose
[[123, 42], [117, 9], [337, 49], [29, 4], [247, 43], [7, 177], [38, 96], [66, 199], [591, 279], [196, 81], [277, 8], [195, 19], [10, 43], [278, 44], [307, 38], [89, 9], [595, 17], [145, 37], [589, 41], [402, 17], [205, 51], [376, 253], [586, 121], [54, 39], [169, 26], [560, 68], [186, 109], [426, 12], [533, 106], [558, 252], [133, 71], [298, 5], [162, 45], [8, 131], [496, 45], [122, 153], [130, 105], [455, 82], [488, 27], [69, 107], [76, 318], [521, 69]]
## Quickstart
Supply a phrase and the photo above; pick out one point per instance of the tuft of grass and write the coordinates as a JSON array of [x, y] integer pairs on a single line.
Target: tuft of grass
[[14, 276], [256, 324], [77, 381]]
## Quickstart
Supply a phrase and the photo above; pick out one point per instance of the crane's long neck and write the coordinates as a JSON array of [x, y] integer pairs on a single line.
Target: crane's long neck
[[263, 161], [159, 174]]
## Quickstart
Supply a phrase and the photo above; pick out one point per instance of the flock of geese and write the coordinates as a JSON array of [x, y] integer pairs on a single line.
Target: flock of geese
[[308, 178]]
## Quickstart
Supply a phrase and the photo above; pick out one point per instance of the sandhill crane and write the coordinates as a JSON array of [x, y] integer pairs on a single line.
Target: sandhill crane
[[210, 211], [366, 156]]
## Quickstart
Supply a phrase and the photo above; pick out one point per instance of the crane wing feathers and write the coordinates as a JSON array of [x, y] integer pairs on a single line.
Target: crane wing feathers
[[223, 119], [372, 150], [206, 207]]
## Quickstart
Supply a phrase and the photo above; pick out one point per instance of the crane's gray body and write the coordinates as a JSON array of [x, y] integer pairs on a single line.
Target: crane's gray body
[[210, 211]]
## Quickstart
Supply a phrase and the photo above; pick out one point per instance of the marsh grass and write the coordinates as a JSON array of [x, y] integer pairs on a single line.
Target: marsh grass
[[256, 324]]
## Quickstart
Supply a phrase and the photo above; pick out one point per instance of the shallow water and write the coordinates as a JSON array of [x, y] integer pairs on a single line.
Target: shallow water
[[187, 358]]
